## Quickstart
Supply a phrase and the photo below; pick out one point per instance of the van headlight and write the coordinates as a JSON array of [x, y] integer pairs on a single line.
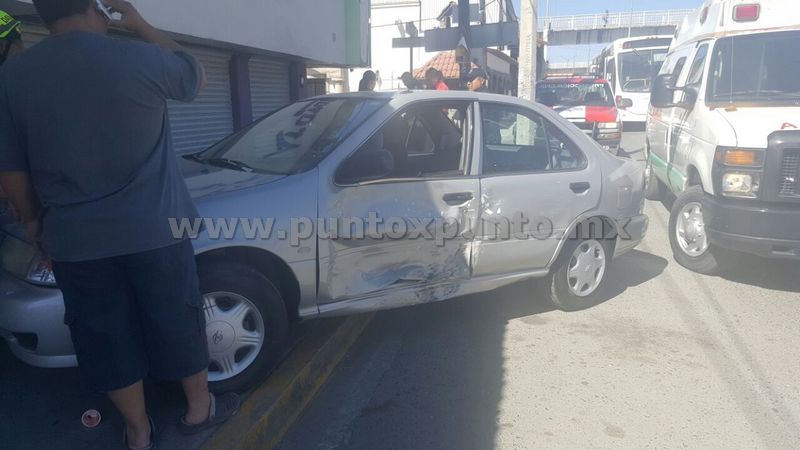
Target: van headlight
[[737, 172], [745, 185]]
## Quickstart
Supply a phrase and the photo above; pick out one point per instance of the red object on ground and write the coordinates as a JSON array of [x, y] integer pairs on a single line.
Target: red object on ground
[[91, 418]]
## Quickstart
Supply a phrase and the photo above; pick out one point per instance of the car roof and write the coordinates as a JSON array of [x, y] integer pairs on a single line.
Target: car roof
[[574, 80], [415, 95]]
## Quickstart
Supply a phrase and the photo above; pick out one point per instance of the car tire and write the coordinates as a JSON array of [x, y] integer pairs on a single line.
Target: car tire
[[563, 290], [653, 187], [229, 285], [685, 222]]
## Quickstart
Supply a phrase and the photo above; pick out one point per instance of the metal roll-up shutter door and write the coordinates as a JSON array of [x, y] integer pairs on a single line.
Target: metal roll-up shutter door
[[269, 85], [209, 118]]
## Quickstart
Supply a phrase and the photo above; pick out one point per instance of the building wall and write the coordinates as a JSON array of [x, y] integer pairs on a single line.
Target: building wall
[[309, 29], [392, 62]]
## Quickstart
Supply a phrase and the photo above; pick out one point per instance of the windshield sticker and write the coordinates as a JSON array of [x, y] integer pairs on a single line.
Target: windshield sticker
[[288, 140]]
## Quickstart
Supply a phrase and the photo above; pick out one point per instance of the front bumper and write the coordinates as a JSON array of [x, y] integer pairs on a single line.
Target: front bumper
[[630, 233], [766, 230], [32, 323]]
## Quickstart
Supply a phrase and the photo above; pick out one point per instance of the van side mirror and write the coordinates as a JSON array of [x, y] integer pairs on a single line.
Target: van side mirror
[[663, 94]]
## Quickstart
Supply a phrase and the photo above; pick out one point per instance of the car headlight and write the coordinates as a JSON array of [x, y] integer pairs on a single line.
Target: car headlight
[[40, 272], [746, 185]]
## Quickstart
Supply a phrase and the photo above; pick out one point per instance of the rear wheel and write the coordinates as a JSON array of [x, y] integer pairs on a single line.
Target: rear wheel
[[246, 326], [688, 236], [575, 284]]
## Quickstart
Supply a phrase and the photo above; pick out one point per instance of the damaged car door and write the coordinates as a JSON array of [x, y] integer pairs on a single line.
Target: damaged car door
[[535, 181], [403, 204]]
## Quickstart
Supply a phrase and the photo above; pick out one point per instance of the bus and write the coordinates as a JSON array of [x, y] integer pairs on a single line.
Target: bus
[[630, 65]]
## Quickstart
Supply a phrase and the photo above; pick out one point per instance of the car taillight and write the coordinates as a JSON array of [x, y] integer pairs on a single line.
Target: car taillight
[[747, 13], [601, 114]]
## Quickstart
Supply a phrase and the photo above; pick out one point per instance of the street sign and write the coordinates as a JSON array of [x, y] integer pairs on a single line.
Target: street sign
[[480, 36]]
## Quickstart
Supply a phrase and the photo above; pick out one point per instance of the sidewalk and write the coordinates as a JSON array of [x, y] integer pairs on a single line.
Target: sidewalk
[[41, 408]]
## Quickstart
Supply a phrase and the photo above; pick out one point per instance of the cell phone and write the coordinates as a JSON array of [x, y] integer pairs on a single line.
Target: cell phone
[[105, 10]]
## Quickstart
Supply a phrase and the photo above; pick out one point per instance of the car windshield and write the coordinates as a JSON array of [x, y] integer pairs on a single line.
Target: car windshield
[[569, 93], [293, 139], [638, 68], [761, 67]]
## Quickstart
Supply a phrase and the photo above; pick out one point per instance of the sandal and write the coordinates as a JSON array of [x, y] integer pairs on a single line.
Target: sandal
[[220, 410], [152, 445]]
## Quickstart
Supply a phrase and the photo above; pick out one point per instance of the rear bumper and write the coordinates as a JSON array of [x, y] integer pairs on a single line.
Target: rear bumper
[[631, 233], [765, 230], [32, 323]]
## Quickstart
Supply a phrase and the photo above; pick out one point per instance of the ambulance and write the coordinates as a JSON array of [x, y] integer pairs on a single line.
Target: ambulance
[[723, 134]]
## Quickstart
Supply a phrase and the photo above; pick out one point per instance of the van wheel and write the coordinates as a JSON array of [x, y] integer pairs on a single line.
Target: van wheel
[[246, 326], [575, 285], [687, 234], [653, 187]]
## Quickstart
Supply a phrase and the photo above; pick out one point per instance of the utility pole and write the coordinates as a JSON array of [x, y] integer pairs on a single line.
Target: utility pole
[[463, 27], [528, 48], [482, 12], [630, 23]]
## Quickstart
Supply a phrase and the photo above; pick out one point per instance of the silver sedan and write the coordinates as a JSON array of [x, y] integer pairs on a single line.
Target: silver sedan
[[360, 202]]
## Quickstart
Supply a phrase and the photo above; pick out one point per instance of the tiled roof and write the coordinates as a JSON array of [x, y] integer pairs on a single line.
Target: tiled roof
[[444, 62]]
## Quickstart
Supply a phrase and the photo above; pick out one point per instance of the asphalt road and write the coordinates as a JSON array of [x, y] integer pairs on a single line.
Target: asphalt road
[[671, 359]]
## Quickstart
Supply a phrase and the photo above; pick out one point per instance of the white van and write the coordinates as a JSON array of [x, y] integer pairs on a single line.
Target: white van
[[723, 133]]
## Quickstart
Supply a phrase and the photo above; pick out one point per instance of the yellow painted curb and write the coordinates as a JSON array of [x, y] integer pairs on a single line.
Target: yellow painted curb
[[270, 411]]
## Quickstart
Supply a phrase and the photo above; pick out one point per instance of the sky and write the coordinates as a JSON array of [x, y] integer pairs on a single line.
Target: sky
[[570, 7]]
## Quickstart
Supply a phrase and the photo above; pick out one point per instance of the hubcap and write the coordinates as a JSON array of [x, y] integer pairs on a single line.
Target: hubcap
[[586, 268], [690, 230], [235, 334]]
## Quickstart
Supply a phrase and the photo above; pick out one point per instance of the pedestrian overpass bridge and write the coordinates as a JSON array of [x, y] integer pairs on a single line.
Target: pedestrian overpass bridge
[[608, 27]]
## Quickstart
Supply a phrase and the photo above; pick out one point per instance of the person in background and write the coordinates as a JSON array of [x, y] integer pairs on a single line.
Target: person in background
[[409, 81], [478, 80], [95, 183], [368, 82], [435, 80], [10, 37]]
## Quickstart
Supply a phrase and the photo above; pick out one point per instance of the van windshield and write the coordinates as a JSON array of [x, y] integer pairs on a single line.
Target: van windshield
[[758, 68], [638, 68]]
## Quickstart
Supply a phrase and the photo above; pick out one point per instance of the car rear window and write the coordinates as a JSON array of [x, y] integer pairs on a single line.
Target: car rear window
[[574, 93]]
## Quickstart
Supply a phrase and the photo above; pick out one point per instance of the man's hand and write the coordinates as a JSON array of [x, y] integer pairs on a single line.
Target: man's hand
[[131, 20]]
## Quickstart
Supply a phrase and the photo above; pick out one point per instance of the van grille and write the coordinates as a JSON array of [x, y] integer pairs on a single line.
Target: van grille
[[790, 173]]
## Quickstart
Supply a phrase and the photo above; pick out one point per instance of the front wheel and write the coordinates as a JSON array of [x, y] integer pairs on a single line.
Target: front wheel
[[575, 284], [246, 326], [688, 236]]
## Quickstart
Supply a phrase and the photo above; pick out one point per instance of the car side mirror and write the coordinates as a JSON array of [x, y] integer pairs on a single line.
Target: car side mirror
[[366, 166], [624, 103], [689, 98]]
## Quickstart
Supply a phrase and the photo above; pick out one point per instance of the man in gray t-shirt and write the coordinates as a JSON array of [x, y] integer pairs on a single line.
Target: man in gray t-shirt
[[86, 159]]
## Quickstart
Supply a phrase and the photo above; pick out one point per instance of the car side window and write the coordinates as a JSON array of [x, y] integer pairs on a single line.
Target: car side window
[[519, 140], [426, 140], [698, 65]]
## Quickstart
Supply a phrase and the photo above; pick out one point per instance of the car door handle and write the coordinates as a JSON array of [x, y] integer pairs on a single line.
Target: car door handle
[[580, 188], [458, 198]]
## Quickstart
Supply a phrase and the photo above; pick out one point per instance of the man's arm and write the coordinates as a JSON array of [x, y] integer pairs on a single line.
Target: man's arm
[[132, 21], [19, 190]]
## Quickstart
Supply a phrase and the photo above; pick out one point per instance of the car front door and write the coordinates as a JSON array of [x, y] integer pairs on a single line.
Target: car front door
[[407, 240], [535, 181]]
